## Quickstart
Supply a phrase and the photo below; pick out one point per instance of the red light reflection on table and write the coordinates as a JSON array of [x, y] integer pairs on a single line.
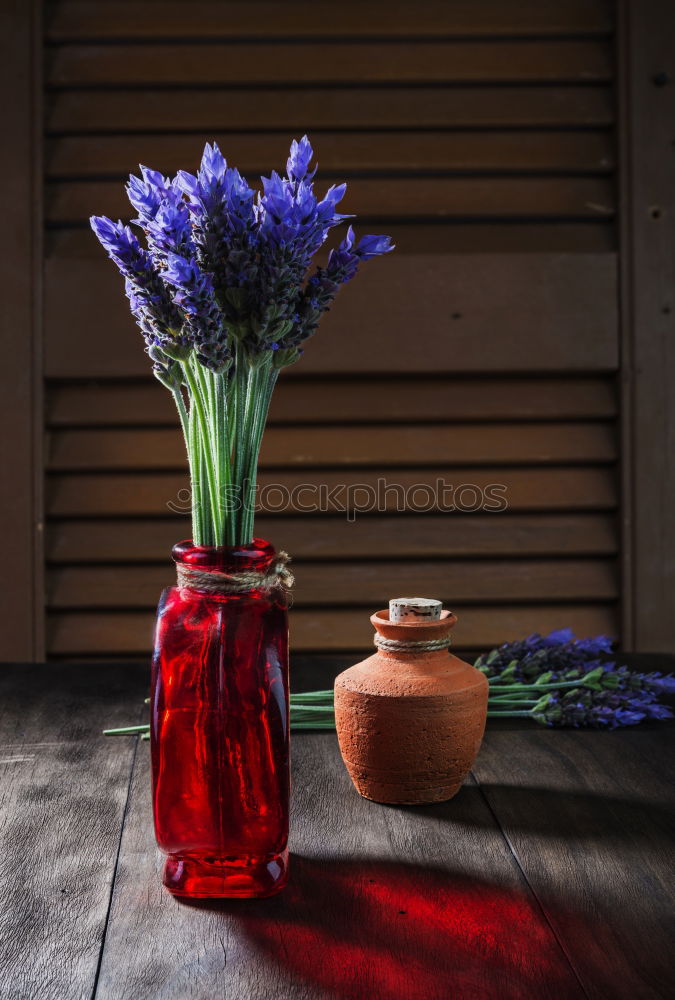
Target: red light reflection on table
[[404, 932]]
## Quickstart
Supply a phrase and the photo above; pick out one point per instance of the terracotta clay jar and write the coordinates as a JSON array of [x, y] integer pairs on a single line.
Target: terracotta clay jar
[[410, 722]]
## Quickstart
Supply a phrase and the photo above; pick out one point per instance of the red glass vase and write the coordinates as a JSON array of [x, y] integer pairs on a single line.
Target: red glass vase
[[220, 731]]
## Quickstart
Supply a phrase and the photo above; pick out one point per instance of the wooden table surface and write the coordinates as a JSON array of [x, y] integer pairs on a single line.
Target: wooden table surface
[[547, 877]]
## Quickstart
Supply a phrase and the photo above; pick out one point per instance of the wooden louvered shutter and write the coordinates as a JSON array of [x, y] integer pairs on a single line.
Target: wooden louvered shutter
[[486, 350], [480, 135]]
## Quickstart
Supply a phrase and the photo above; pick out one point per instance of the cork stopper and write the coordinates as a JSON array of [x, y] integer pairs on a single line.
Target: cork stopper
[[414, 609]]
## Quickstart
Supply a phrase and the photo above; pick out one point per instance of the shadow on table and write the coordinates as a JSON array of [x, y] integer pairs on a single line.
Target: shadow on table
[[392, 931], [555, 813]]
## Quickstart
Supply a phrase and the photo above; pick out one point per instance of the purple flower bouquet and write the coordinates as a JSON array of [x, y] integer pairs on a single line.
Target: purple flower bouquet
[[223, 296]]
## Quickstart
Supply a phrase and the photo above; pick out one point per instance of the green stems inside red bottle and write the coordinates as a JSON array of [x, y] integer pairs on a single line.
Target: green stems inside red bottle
[[223, 424]]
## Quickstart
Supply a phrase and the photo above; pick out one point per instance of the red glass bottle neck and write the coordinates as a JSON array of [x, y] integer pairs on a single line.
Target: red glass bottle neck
[[258, 556]]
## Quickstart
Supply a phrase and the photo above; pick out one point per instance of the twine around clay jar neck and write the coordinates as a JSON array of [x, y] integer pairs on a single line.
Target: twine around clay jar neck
[[233, 570], [412, 638]]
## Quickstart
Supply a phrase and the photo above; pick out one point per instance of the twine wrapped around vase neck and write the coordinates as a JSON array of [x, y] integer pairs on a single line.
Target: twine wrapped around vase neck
[[420, 610], [411, 646], [216, 581]]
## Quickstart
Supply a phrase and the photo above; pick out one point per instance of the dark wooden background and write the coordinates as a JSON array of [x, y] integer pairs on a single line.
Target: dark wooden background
[[520, 152]]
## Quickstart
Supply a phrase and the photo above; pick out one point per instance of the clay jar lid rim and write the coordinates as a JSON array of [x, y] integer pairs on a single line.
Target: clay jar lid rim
[[423, 630]]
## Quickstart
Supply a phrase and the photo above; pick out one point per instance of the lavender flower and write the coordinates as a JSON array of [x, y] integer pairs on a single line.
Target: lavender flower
[[291, 217], [556, 652], [323, 286], [147, 193], [170, 229], [657, 682], [372, 246], [194, 295], [292, 225], [220, 205], [150, 301], [597, 709], [297, 164], [223, 283], [250, 252], [579, 684]]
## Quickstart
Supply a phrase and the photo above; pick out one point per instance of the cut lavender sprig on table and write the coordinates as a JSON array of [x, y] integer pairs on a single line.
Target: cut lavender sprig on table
[[557, 680], [582, 708]]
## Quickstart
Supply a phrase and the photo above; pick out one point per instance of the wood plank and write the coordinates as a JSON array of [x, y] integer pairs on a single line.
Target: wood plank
[[396, 62], [106, 19], [163, 493], [396, 446], [72, 202], [465, 330], [378, 905], [592, 827], [130, 540], [64, 791], [301, 108], [341, 153], [319, 401], [359, 582], [113, 632], [648, 324], [21, 337]]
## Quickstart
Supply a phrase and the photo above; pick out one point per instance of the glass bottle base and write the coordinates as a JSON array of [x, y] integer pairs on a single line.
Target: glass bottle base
[[194, 877]]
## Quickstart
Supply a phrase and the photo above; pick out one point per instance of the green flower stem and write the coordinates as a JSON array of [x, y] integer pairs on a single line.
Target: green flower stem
[[195, 458], [306, 716], [206, 382], [210, 446], [216, 409], [508, 685], [509, 715], [232, 412], [252, 449], [247, 389], [263, 387], [305, 707], [512, 694], [224, 459], [126, 729], [182, 412], [325, 709], [313, 725], [211, 529], [185, 426], [533, 688], [207, 515], [310, 713], [497, 702], [239, 391], [224, 429]]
